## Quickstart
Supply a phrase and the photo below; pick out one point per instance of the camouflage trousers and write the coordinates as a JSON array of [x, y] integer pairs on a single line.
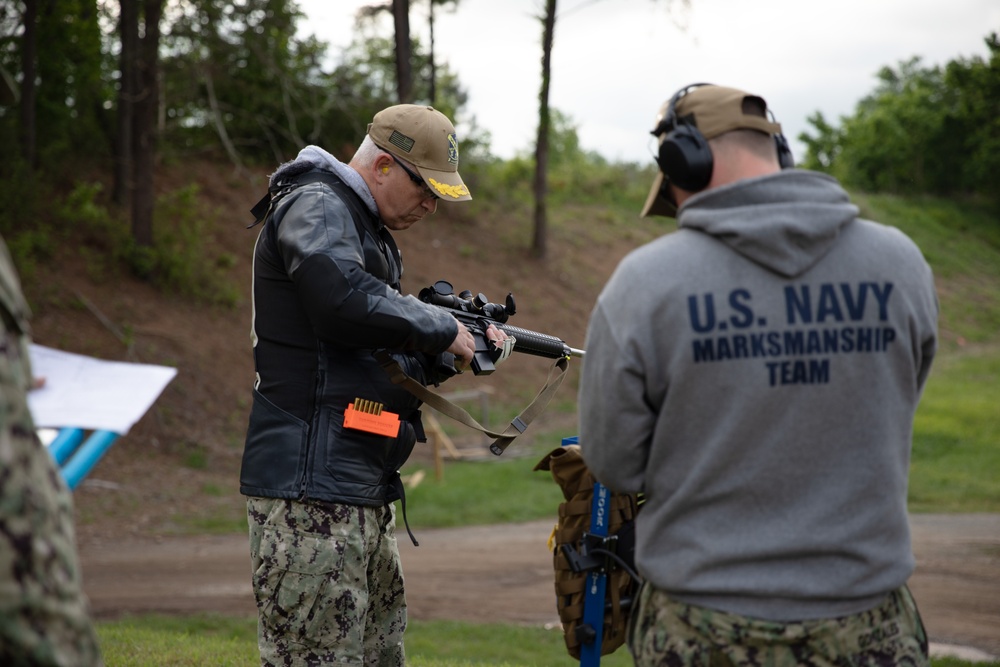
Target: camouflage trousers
[[663, 631], [328, 584], [44, 614]]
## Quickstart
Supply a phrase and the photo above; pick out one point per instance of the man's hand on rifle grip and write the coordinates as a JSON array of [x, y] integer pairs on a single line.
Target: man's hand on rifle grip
[[464, 345]]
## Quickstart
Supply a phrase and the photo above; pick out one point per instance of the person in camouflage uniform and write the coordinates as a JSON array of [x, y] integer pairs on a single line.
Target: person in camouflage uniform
[[326, 291], [664, 631], [754, 375], [44, 619], [310, 592]]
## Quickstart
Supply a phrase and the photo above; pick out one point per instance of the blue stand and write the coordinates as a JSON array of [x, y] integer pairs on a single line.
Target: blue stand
[[76, 460], [593, 601]]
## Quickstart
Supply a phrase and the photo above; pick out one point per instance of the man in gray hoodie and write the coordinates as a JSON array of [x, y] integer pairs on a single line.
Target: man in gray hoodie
[[755, 375]]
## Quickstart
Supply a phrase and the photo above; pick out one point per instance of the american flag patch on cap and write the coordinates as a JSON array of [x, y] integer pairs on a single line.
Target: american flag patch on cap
[[401, 140]]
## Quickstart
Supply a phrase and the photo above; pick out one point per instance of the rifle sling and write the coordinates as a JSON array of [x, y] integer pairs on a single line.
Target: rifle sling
[[517, 425]]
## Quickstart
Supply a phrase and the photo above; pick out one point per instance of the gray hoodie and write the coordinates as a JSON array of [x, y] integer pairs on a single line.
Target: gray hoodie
[[756, 374]]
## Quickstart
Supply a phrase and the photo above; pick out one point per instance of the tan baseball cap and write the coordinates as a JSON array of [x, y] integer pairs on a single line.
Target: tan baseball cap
[[424, 137], [714, 110]]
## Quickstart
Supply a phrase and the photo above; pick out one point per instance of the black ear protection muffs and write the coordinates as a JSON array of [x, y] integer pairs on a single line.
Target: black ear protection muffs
[[685, 157], [785, 158]]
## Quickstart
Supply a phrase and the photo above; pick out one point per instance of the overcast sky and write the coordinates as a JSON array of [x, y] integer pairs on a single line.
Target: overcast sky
[[615, 61]]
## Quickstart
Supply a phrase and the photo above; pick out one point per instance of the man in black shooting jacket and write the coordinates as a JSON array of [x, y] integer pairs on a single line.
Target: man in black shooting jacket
[[326, 297]]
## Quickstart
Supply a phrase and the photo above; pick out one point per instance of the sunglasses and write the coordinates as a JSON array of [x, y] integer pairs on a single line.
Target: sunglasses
[[414, 177]]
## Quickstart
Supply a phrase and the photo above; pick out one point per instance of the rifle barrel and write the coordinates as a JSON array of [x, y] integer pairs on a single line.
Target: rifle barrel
[[539, 344]]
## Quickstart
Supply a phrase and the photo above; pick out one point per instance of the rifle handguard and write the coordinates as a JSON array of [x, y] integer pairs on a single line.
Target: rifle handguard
[[538, 344]]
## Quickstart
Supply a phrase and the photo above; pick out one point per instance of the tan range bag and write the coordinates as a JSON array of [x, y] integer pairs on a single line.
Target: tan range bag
[[577, 484]]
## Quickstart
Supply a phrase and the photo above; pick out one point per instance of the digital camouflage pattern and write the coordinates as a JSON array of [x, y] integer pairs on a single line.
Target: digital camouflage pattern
[[328, 584], [43, 612], [667, 632]]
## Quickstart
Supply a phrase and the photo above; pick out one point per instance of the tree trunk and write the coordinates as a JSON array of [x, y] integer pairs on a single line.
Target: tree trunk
[[433, 81], [404, 72], [218, 120], [128, 32], [542, 144], [144, 132], [29, 51]]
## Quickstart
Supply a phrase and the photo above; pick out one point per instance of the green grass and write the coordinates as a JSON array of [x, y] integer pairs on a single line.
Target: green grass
[[501, 489], [222, 641], [166, 641], [173, 641], [956, 458], [456, 644]]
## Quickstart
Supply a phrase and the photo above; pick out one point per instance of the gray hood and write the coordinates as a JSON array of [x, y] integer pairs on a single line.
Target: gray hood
[[785, 221], [314, 157]]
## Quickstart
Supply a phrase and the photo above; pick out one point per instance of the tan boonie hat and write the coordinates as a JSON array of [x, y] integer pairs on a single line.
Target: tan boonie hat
[[424, 137], [714, 110]]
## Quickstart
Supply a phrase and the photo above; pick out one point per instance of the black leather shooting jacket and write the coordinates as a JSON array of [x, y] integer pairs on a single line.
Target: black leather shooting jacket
[[326, 296]]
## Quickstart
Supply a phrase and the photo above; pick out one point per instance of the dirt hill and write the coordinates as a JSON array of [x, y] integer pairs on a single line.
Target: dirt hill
[[177, 469]]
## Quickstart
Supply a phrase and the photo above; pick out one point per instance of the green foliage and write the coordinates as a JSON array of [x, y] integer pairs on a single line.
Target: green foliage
[[364, 83], [29, 237], [975, 116], [179, 259], [101, 237], [28, 248], [70, 115], [233, 74], [81, 209], [575, 178], [821, 150], [237, 73], [179, 262], [888, 146], [582, 177], [922, 130]]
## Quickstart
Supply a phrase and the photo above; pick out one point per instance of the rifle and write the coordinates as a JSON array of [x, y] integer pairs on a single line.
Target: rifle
[[477, 313]]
